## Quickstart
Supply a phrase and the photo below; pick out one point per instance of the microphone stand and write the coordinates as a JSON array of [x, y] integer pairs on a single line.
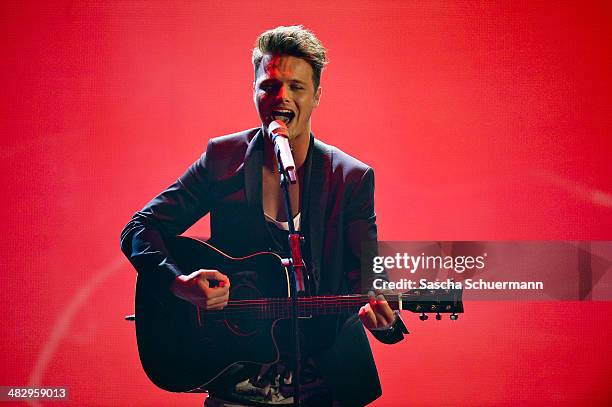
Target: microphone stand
[[296, 266]]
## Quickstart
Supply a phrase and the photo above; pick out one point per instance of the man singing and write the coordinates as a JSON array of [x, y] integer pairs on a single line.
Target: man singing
[[237, 181]]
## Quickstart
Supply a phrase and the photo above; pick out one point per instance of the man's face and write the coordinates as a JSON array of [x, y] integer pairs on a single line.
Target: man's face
[[283, 90]]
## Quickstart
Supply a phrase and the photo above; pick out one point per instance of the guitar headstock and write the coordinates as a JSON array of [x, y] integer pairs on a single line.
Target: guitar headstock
[[432, 301]]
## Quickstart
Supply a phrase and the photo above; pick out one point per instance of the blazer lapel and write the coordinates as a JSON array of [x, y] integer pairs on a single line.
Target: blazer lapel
[[253, 163], [315, 197]]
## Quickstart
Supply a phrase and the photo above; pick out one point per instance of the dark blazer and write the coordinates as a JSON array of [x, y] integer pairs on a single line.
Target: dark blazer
[[337, 216]]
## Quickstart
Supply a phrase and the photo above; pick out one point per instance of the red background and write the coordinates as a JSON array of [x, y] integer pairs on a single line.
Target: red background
[[482, 121]]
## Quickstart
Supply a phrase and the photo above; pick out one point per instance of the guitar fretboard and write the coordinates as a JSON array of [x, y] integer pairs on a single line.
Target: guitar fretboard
[[277, 308]]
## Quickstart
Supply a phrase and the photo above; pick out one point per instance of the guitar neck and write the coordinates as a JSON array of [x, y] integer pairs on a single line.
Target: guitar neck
[[446, 301]]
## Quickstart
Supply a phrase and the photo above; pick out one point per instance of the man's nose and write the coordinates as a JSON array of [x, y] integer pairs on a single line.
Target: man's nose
[[283, 92]]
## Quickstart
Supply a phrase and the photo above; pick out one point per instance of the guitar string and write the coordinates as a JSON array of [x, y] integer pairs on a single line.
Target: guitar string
[[326, 298], [281, 307], [317, 304], [322, 300]]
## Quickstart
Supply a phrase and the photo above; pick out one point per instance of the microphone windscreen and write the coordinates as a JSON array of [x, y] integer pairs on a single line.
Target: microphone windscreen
[[278, 127]]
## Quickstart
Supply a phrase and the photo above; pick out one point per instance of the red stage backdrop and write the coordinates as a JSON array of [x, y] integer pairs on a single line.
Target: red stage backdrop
[[482, 122]]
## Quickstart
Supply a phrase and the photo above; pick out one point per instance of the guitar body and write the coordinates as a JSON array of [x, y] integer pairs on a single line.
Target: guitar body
[[183, 350]]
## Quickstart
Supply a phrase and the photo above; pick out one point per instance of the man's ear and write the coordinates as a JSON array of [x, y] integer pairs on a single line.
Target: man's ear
[[317, 96]]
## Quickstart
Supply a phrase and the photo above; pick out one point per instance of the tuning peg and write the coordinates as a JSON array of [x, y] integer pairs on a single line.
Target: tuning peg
[[423, 316], [454, 316], [438, 316]]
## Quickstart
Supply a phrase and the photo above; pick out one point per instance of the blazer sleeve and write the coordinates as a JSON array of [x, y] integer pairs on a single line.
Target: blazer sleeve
[[168, 214], [361, 237]]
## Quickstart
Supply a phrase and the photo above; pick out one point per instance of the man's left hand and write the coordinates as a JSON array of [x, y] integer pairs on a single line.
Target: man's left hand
[[376, 313]]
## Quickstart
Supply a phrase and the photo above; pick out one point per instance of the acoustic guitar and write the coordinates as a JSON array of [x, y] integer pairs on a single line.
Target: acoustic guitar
[[186, 349]]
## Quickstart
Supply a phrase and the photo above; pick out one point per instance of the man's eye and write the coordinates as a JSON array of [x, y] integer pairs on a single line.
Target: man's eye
[[266, 87], [297, 87]]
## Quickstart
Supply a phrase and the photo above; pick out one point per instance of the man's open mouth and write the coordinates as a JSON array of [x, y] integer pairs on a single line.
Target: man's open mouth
[[282, 114]]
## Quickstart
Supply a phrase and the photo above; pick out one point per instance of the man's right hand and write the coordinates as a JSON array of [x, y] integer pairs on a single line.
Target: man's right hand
[[196, 289]]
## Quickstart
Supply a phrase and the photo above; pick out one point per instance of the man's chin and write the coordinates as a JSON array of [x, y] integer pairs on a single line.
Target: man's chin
[[296, 136]]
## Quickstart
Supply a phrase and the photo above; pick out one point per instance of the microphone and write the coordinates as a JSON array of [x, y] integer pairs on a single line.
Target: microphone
[[277, 130]]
